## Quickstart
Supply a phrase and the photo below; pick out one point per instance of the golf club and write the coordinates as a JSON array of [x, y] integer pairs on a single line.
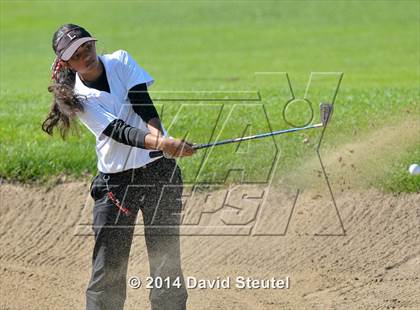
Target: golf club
[[326, 110]]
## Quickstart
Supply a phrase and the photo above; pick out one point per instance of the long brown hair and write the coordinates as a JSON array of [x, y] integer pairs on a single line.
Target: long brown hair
[[65, 102]]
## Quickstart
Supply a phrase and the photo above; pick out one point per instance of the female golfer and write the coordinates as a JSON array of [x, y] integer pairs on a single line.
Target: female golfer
[[108, 94]]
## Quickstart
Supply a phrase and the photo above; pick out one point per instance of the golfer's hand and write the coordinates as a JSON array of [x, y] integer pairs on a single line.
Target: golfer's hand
[[176, 147]]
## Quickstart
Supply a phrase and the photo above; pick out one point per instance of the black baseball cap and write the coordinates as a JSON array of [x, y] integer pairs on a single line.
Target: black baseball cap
[[71, 40]]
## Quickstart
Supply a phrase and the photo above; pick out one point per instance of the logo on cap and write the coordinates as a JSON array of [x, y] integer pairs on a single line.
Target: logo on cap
[[71, 36]]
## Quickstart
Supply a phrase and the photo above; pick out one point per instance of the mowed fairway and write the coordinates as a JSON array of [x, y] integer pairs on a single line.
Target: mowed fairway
[[218, 47], [222, 70]]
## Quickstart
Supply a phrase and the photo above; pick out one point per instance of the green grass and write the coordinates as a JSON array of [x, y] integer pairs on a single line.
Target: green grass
[[398, 179], [218, 46]]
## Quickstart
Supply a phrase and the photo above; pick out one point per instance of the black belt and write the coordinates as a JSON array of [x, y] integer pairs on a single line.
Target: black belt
[[135, 171]]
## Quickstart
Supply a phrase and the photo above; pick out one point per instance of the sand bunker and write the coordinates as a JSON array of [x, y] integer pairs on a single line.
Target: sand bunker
[[375, 264]]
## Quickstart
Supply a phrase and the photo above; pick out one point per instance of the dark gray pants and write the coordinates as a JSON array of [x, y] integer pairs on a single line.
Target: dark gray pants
[[155, 191]]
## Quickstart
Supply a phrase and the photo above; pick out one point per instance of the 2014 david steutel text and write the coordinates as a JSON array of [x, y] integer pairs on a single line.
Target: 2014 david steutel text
[[239, 282]]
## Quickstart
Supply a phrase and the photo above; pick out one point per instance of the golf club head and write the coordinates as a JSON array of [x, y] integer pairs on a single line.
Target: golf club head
[[326, 110]]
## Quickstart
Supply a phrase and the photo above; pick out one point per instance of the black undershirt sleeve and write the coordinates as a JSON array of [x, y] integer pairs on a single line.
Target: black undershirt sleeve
[[126, 134], [142, 103]]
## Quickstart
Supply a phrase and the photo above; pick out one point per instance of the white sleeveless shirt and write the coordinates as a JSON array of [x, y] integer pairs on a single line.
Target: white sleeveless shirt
[[101, 108]]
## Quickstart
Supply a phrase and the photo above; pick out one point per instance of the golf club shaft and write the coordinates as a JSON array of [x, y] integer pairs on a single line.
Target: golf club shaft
[[228, 141], [258, 136]]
